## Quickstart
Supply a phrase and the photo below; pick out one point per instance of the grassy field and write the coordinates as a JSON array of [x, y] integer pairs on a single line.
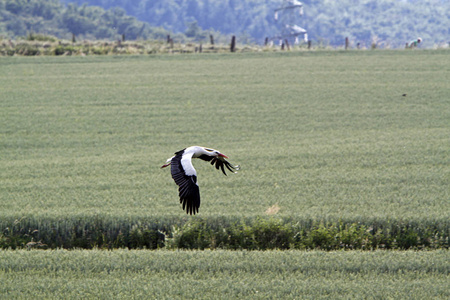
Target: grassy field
[[323, 135], [224, 274], [332, 146], [356, 137]]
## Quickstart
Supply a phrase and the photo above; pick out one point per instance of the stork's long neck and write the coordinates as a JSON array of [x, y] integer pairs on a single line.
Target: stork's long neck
[[197, 151]]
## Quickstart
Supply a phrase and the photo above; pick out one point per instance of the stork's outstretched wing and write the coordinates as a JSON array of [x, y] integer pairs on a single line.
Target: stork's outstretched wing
[[220, 162], [188, 189]]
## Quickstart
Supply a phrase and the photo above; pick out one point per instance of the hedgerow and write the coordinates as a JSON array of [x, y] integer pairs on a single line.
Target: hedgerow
[[49, 47], [261, 233]]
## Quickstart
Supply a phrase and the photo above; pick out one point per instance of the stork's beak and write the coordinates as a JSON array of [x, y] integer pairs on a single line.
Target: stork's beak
[[223, 155], [165, 165]]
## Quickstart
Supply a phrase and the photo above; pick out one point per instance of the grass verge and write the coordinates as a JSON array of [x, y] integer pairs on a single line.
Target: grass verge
[[224, 274]]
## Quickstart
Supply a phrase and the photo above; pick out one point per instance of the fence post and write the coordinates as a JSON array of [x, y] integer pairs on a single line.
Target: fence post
[[309, 44], [346, 43], [123, 37], [74, 40], [287, 44], [200, 48], [211, 40], [233, 44], [168, 38], [266, 41]]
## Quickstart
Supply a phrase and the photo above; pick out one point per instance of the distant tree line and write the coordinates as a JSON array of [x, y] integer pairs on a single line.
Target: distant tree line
[[385, 22], [51, 17], [392, 22]]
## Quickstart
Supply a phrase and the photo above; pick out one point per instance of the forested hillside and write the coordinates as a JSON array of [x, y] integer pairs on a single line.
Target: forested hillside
[[51, 17], [389, 22]]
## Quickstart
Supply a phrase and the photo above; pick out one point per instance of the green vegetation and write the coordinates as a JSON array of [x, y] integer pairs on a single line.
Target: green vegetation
[[328, 22], [51, 17], [224, 274], [333, 155], [219, 233], [386, 22], [40, 45], [339, 150]]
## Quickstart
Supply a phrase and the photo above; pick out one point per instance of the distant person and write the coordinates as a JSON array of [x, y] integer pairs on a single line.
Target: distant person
[[414, 43]]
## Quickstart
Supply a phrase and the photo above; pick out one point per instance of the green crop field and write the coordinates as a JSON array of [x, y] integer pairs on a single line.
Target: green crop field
[[338, 150], [321, 137], [123, 274]]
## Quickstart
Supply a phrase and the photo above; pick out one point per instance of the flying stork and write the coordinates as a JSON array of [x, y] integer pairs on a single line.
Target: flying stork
[[185, 176]]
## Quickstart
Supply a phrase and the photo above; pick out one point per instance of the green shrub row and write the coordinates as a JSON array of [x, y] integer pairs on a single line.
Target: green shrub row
[[269, 233], [48, 46], [197, 233], [56, 49]]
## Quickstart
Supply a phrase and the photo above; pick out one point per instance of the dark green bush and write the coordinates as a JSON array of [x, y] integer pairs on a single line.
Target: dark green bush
[[142, 237], [192, 235], [264, 234], [26, 49], [61, 50], [220, 233]]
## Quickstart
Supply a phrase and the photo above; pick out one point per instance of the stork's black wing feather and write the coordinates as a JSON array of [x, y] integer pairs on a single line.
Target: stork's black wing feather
[[220, 163], [188, 189]]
